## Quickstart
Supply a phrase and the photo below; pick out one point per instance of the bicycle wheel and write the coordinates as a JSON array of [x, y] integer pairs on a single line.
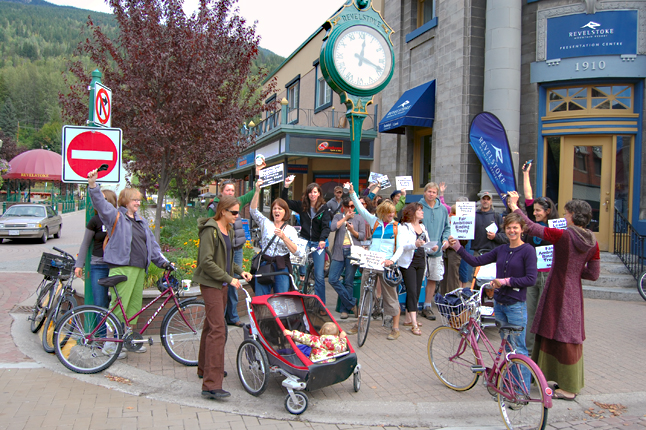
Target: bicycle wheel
[[253, 367], [80, 352], [641, 285], [309, 283], [363, 321], [178, 338], [64, 303], [521, 406], [452, 358], [38, 313]]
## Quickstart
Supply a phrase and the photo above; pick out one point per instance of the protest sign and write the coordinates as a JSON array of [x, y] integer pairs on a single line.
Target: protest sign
[[464, 223], [465, 209], [384, 182], [544, 256], [559, 223], [374, 177], [373, 260], [272, 175], [404, 182]]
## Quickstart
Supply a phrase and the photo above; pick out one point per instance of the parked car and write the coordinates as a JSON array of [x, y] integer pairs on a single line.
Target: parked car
[[24, 221]]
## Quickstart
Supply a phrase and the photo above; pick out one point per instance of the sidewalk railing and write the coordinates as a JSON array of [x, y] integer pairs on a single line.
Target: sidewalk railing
[[630, 246]]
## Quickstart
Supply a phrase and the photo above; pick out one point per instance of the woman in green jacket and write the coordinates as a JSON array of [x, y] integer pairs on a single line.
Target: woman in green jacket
[[214, 273]]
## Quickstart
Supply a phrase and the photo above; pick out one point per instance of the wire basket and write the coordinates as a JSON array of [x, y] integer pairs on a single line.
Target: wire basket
[[54, 265], [458, 315]]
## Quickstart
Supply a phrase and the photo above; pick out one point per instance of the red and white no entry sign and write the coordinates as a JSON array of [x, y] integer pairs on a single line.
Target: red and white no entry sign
[[87, 148], [102, 105]]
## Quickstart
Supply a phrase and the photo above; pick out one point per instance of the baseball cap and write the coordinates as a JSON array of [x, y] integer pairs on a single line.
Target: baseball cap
[[485, 194]]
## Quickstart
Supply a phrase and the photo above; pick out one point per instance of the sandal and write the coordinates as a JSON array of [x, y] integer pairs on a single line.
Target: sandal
[[416, 331], [561, 396], [410, 324]]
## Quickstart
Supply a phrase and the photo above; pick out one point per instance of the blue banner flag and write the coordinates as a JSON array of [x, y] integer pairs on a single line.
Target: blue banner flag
[[489, 140]]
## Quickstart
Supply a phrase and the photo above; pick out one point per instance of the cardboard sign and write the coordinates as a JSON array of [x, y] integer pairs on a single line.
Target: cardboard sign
[[544, 256], [384, 182], [373, 260], [404, 182], [272, 175], [463, 224], [560, 223]]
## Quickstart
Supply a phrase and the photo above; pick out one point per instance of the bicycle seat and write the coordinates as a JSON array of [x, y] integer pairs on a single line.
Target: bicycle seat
[[112, 281], [507, 326]]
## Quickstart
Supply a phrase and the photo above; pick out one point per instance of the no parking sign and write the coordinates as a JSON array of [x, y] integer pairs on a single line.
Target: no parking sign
[[86, 149]]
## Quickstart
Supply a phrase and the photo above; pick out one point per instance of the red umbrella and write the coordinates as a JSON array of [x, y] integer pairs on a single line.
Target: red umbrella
[[38, 165]]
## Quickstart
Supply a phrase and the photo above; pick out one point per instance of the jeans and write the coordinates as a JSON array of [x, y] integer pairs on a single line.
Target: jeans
[[466, 271], [345, 292], [99, 293], [515, 314], [319, 270], [231, 313], [280, 284]]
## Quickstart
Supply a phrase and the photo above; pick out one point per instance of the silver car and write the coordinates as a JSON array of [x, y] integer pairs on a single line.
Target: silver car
[[23, 221]]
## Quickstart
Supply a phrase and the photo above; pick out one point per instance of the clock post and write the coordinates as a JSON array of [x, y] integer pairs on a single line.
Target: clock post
[[357, 62]]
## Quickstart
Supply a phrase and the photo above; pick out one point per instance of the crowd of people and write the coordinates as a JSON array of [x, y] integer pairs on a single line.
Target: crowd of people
[[414, 237]]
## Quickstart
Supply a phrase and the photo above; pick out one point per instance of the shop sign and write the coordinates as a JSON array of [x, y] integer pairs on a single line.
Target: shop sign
[[298, 168], [329, 146], [246, 160], [602, 33]]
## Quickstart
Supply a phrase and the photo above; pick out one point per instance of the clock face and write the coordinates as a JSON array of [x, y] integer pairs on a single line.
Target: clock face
[[362, 57]]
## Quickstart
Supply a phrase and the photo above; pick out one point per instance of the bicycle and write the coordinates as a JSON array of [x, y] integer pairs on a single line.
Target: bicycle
[[641, 285], [307, 284], [88, 339], [457, 361], [370, 307], [50, 267], [63, 300]]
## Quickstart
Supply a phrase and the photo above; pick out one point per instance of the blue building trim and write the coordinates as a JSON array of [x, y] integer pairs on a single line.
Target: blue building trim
[[640, 225], [421, 30]]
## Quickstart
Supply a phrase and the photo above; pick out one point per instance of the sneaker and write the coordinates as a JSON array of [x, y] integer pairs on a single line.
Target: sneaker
[[110, 348], [393, 335], [141, 350], [216, 394], [428, 313], [344, 315], [355, 311], [353, 330]]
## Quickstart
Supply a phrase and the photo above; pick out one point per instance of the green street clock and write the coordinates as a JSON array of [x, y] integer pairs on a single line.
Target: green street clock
[[357, 61]]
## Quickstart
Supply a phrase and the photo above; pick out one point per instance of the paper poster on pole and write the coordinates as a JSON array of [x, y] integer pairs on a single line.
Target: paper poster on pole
[[463, 224], [404, 183], [544, 256], [559, 223], [272, 175]]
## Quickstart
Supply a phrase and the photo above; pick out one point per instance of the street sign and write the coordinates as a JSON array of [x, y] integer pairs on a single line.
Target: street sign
[[86, 149], [102, 105]]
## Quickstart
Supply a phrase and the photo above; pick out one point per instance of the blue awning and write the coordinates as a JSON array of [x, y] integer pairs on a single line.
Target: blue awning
[[416, 108]]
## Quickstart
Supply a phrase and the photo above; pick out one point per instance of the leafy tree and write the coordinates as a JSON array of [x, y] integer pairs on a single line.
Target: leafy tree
[[8, 119], [48, 137], [182, 86], [9, 148]]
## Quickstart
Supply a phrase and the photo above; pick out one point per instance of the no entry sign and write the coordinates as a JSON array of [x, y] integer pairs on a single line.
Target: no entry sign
[[102, 105], [87, 148]]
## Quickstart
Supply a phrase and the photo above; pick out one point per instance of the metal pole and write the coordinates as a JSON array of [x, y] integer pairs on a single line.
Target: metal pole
[[356, 125]]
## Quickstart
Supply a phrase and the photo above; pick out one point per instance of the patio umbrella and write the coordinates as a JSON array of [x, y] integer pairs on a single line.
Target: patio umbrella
[[38, 165]]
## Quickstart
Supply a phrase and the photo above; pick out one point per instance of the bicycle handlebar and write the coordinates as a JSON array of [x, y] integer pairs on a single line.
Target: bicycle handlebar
[[67, 254]]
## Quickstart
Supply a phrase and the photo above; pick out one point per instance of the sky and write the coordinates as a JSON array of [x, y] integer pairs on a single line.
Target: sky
[[283, 25]]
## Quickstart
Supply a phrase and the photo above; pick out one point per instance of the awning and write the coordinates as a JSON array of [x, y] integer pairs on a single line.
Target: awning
[[416, 108], [37, 164]]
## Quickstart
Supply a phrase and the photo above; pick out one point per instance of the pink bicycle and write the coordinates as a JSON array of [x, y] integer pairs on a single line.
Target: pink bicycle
[[514, 380]]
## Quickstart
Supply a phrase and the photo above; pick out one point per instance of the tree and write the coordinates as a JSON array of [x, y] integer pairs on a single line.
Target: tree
[[182, 86], [8, 119]]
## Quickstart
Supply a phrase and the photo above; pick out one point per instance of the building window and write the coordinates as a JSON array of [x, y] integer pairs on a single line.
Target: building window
[[293, 88], [590, 100], [323, 94], [425, 160], [425, 11], [272, 117]]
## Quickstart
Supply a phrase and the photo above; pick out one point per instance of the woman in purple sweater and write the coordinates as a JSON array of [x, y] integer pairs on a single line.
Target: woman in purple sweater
[[515, 271]]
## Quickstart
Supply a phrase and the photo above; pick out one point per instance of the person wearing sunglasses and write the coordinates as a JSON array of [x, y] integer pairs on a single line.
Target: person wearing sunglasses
[[215, 274], [350, 230]]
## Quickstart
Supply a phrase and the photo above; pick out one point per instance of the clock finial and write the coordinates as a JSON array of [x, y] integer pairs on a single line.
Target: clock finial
[[362, 4]]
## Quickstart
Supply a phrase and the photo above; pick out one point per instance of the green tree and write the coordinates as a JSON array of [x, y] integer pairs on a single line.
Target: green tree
[[49, 137], [8, 118]]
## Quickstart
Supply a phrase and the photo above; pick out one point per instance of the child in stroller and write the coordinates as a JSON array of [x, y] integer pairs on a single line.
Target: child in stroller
[[329, 343]]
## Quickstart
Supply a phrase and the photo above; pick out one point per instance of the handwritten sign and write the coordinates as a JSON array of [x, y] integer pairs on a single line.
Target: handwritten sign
[[560, 223], [463, 224], [544, 256], [373, 260], [404, 182], [272, 175]]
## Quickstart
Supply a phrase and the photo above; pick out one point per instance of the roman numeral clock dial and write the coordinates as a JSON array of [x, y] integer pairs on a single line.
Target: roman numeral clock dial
[[362, 57]]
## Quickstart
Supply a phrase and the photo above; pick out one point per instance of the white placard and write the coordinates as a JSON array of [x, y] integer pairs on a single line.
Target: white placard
[[487, 273], [404, 182], [374, 177], [465, 209], [384, 182], [463, 228], [492, 228], [544, 256], [560, 223], [272, 175], [373, 260]]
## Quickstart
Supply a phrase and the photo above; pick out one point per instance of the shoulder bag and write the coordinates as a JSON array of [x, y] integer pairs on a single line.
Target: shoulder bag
[[257, 259], [107, 237]]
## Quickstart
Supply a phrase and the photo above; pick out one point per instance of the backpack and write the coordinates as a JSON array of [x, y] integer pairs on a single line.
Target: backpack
[[395, 224]]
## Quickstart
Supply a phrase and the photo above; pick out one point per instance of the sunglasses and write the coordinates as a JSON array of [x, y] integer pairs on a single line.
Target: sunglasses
[[234, 213]]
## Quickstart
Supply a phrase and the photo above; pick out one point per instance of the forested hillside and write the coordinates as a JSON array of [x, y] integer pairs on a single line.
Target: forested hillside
[[36, 41]]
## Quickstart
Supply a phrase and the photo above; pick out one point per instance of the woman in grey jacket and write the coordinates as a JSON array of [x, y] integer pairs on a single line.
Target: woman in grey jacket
[[131, 247]]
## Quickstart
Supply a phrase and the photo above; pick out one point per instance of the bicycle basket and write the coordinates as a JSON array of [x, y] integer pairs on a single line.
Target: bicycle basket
[[54, 265], [162, 284], [458, 306]]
